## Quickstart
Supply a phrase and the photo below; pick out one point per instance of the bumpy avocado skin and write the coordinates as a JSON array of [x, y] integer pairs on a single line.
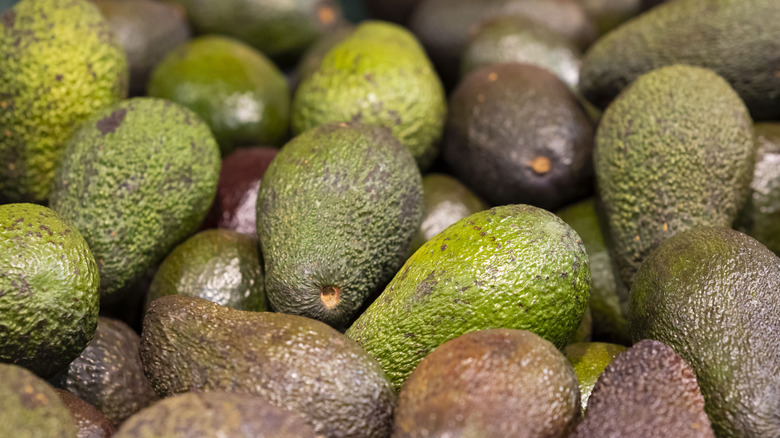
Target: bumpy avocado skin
[[673, 152], [48, 289], [738, 39], [215, 414], [136, 179], [61, 63], [294, 362], [108, 374], [90, 423], [30, 408], [711, 294], [336, 214], [514, 266], [490, 383], [589, 360], [221, 266], [379, 75], [646, 391]]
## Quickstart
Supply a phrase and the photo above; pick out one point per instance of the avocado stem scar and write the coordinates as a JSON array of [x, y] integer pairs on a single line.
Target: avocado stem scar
[[330, 296]]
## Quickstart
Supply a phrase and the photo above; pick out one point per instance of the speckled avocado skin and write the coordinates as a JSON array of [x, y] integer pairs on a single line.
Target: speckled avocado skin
[[29, 407], [379, 75], [61, 63], [90, 423], [711, 294], [738, 39], [136, 179], [48, 289], [514, 266], [215, 414], [673, 152], [336, 214], [294, 362]]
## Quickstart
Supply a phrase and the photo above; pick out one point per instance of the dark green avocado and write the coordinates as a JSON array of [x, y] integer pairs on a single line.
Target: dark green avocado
[[90, 422]]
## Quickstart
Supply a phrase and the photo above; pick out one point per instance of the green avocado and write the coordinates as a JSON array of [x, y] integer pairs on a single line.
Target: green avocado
[[514, 266], [61, 63], [710, 293], [674, 151], [609, 14], [589, 360], [48, 289], [136, 179]]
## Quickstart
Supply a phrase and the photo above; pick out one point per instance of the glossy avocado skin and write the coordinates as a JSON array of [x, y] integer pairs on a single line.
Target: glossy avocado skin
[[336, 214], [490, 383], [48, 289], [108, 374], [90, 422], [711, 294], [517, 134], [688, 165], [589, 360], [294, 362], [738, 39], [142, 152], [61, 63], [467, 279]]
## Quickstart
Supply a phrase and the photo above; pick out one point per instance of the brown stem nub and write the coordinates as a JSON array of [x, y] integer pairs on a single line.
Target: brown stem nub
[[541, 165], [330, 296]]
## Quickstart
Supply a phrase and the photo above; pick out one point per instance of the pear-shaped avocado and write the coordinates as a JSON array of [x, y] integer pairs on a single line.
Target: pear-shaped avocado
[[90, 422]]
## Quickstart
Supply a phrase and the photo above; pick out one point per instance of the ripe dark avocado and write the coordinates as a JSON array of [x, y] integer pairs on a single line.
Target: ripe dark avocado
[[336, 214], [136, 179], [647, 391], [514, 266], [490, 384], [90, 423], [29, 407], [214, 414], [687, 165], [517, 134], [738, 39], [589, 360], [711, 294], [294, 362], [61, 63], [108, 374], [221, 266], [48, 289]]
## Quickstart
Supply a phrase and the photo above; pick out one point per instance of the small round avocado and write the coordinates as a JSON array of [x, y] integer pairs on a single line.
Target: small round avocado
[[48, 289], [90, 422], [30, 408], [589, 360], [490, 384], [221, 266], [60, 64], [517, 134], [237, 91]]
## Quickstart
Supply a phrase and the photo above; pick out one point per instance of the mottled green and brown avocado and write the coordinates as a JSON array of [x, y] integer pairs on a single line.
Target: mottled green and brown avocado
[[589, 360], [61, 63], [90, 423], [490, 384], [48, 289], [294, 362]]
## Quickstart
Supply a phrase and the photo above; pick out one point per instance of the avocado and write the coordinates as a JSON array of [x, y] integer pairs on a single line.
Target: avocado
[[215, 414], [336, 214], [646, 391], [608, 303], [490, 383], [516, 134], [136, 179], [710, 293], [737, 39], [312, 58], [609, 14], [281, 29], [61, 63], [29, 407], [589, 360], [688, 164], [108, 374], [294, 362], [761, 214], [90, 423], [584, 332], [379, 75], [513, 266], [7, 4], [48, 289], [446, 200], [397, 11], [236, 90], [147, 30], [221, 266], [521, 40]]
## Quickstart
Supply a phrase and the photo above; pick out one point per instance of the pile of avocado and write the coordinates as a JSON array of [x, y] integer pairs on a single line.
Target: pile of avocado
[[385, 218]]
